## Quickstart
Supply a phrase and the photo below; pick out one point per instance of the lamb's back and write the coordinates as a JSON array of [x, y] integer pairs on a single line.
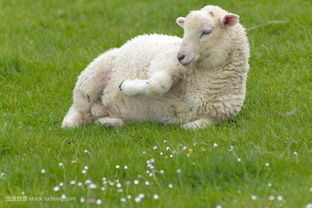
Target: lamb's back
[[136, 55]]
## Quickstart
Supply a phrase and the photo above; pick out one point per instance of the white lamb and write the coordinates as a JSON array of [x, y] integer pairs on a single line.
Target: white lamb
[[194, 82]]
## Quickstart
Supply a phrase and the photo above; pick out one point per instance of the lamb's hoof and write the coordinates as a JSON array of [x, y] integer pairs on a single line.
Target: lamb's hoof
[[121, 85], [109, 122], [129, 87]]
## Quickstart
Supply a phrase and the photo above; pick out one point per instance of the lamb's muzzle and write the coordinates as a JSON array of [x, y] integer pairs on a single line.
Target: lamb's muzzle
[[180, 57], [184, 57]]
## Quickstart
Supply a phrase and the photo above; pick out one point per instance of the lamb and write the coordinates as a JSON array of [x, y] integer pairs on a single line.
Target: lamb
[[194, 82]]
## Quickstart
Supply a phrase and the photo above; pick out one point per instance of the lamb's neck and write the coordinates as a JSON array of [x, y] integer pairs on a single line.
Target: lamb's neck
[[213, 81], [213, 59]]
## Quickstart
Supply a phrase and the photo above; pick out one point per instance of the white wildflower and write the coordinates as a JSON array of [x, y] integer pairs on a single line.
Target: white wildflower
[[56, 188], [88, 181], [231, 149], [137, 199], [99, 202], [308, 205], [155, 197]]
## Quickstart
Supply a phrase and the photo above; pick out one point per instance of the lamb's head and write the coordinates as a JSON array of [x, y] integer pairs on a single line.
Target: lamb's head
[[206, 32]]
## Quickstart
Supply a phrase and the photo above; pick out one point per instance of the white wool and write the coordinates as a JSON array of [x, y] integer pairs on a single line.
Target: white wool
[[143, 80]]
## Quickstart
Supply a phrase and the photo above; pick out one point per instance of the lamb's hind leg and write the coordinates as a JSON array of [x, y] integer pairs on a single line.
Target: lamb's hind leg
[[88, 89], [102, 117]]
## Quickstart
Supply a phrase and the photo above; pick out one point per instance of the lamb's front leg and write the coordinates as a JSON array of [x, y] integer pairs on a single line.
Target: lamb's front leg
[[198, 124], [157, 85]]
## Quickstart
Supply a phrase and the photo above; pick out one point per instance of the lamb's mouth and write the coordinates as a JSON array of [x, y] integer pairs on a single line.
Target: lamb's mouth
[[185, 63]]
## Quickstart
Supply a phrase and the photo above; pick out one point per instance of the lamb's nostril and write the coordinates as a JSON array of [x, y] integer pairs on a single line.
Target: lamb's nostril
[[181, 57]]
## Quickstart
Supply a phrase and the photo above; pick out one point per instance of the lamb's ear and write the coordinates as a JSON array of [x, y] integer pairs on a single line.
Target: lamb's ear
[[180, 21], [229, 20]]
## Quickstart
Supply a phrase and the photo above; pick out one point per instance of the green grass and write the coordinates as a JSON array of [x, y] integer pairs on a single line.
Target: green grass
[[44, 45]]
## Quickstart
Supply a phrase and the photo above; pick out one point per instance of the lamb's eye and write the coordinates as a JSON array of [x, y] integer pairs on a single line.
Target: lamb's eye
[[205, 32]]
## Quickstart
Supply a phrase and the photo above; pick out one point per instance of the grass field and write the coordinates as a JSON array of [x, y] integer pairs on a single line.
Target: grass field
[[44, 45]]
